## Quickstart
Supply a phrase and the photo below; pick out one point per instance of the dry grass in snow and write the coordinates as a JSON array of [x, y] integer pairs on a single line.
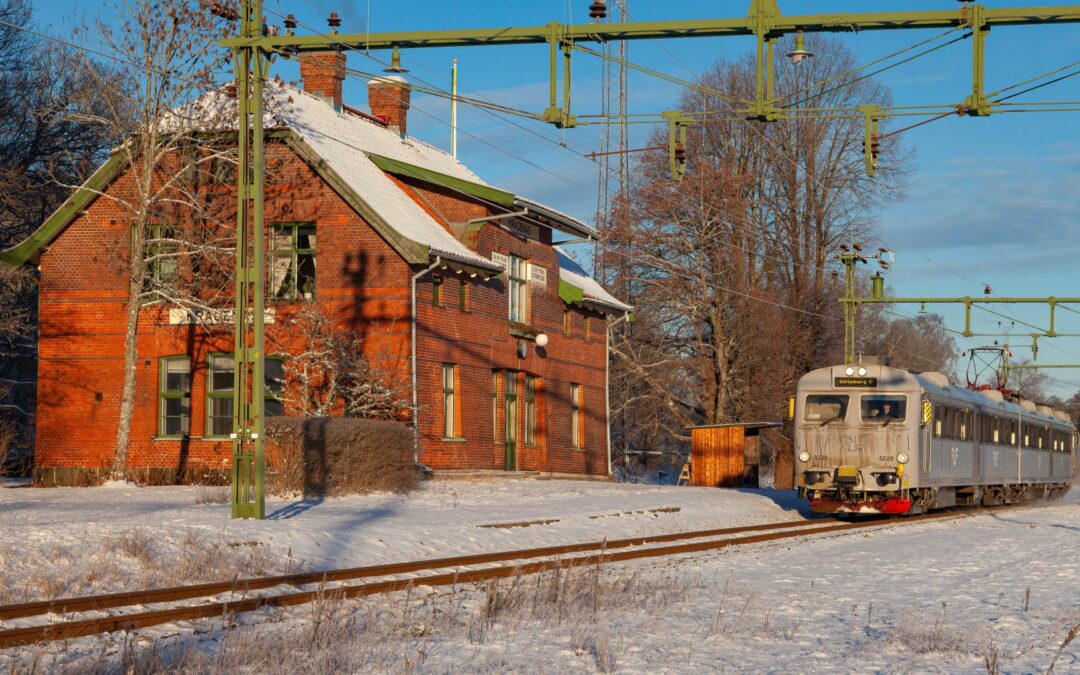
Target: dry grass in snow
[[132, 559]]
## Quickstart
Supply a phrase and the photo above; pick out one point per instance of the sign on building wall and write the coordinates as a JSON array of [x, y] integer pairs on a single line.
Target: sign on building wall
[[210, 317], [500, 259], [537, 275], [523, 228]]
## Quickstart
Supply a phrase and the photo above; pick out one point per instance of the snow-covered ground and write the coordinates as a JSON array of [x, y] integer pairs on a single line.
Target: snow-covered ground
[[441, 519], [1001, 588]]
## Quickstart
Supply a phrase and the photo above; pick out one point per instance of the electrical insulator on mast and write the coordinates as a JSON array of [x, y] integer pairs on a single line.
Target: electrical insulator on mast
[[221, 10], [598, 10]]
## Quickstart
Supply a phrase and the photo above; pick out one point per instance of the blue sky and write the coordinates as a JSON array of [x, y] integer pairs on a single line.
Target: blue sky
[[992, 200]]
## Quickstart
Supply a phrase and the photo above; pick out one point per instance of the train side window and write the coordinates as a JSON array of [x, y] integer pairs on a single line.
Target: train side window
[[937, 421], [964, 425], [825, 407], [997, 429]]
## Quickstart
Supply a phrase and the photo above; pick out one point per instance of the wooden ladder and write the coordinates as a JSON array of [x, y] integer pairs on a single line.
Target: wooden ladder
[[684, 477]]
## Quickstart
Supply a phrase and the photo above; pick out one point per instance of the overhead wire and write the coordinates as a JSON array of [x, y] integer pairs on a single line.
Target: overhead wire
[[666, 266]]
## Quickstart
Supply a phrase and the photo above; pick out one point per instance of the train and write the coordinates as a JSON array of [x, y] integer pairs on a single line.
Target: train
[[873, 439]]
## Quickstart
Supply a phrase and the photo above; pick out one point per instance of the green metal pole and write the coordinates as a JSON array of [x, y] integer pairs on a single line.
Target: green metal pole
[[248, 362], [977, 105]]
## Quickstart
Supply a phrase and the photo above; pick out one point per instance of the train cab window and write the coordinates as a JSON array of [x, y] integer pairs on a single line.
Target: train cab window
[[879, 408], [938, 415], [825, 407]]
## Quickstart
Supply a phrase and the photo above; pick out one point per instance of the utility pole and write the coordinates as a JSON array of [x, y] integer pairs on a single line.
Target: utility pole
[[248, 468]]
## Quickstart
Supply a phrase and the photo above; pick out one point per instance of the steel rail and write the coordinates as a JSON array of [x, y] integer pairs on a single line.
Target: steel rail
[[82, 628], [145, 597]]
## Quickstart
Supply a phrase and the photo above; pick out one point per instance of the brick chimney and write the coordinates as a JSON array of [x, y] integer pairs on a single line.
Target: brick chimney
[[389, 100], [323, 73]]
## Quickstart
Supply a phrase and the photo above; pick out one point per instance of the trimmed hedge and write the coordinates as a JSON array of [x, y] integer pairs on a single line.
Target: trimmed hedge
[[332, 456]]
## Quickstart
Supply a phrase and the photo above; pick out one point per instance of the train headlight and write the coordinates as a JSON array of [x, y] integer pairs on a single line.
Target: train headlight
[[849, 371], [902, 458], [804, 456], [862, 371]]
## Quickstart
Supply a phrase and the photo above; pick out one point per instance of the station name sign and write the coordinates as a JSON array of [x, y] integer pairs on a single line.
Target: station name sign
[[854, 381]]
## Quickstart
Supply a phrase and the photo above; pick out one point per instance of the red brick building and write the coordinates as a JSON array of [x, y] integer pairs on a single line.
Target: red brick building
[[397, 241]]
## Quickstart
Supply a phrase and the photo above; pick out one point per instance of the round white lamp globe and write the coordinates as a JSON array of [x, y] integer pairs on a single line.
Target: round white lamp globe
[[541, 340]]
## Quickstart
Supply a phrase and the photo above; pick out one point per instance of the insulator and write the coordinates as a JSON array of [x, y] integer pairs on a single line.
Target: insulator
[[265, 27], [220, 10], [290, 22], [334, 21], [598, 10], [680, 152]]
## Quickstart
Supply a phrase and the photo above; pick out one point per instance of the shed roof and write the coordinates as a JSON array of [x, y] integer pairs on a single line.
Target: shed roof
[[745, 425]]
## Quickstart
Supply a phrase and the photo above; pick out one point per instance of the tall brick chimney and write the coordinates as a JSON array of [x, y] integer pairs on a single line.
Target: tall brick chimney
[[389, 99], [323, 73]]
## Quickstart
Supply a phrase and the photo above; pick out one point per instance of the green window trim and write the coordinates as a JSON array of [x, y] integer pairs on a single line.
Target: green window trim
[[274, 386], [219, 399], [162, 271], [530, 410], [292, 261], [450, 402], [463, 295], [179, 417], [577, 413], [436, 290], [495, 405], [518, 289]]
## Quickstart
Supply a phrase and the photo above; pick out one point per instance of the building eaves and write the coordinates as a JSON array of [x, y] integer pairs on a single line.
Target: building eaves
[[29, 249]]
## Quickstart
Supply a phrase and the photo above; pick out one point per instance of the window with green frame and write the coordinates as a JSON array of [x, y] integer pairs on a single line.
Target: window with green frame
[[530, 410], [436, 290], [577, 417], [463, 295], [174, 394], [219, 395], [450, 401], [292, 260], [274, 387], [519, 289], [161, 260], [494, 405]]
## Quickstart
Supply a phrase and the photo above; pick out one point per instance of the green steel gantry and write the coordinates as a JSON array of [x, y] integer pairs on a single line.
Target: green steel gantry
[[851, 258], [252, 51]]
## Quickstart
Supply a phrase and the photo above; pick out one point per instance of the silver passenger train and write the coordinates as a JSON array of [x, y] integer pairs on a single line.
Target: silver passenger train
[[875, 439]]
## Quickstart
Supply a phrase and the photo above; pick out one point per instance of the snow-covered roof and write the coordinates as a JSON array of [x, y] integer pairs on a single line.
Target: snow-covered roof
[[572, 273], [353, 146], [344, 140]]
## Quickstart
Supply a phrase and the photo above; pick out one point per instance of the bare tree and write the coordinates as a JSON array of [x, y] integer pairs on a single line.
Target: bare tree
[[43, 148], [173, 48], [732, 268], [1031, 383], [331, 374], [919, 344]]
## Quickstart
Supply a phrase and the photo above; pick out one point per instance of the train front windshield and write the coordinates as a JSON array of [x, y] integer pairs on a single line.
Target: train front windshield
[[825, 408], [881, 407]]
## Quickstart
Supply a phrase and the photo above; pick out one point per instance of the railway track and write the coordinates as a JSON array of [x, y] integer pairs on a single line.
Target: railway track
[[433, 572]]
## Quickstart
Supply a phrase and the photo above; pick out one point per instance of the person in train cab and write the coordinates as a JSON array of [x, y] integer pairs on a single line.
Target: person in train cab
[[887, 410]]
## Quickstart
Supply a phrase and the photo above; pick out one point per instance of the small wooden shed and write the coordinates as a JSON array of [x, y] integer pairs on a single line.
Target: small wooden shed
[[726, 455]]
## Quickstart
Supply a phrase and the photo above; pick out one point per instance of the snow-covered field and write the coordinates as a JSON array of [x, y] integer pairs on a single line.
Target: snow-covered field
[[999, 590]]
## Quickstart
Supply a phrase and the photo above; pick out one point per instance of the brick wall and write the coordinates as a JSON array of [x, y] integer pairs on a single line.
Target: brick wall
[[364, 284]]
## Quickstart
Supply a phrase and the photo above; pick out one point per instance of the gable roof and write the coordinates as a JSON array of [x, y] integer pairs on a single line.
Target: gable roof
[[575, 285], [354, 155]]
